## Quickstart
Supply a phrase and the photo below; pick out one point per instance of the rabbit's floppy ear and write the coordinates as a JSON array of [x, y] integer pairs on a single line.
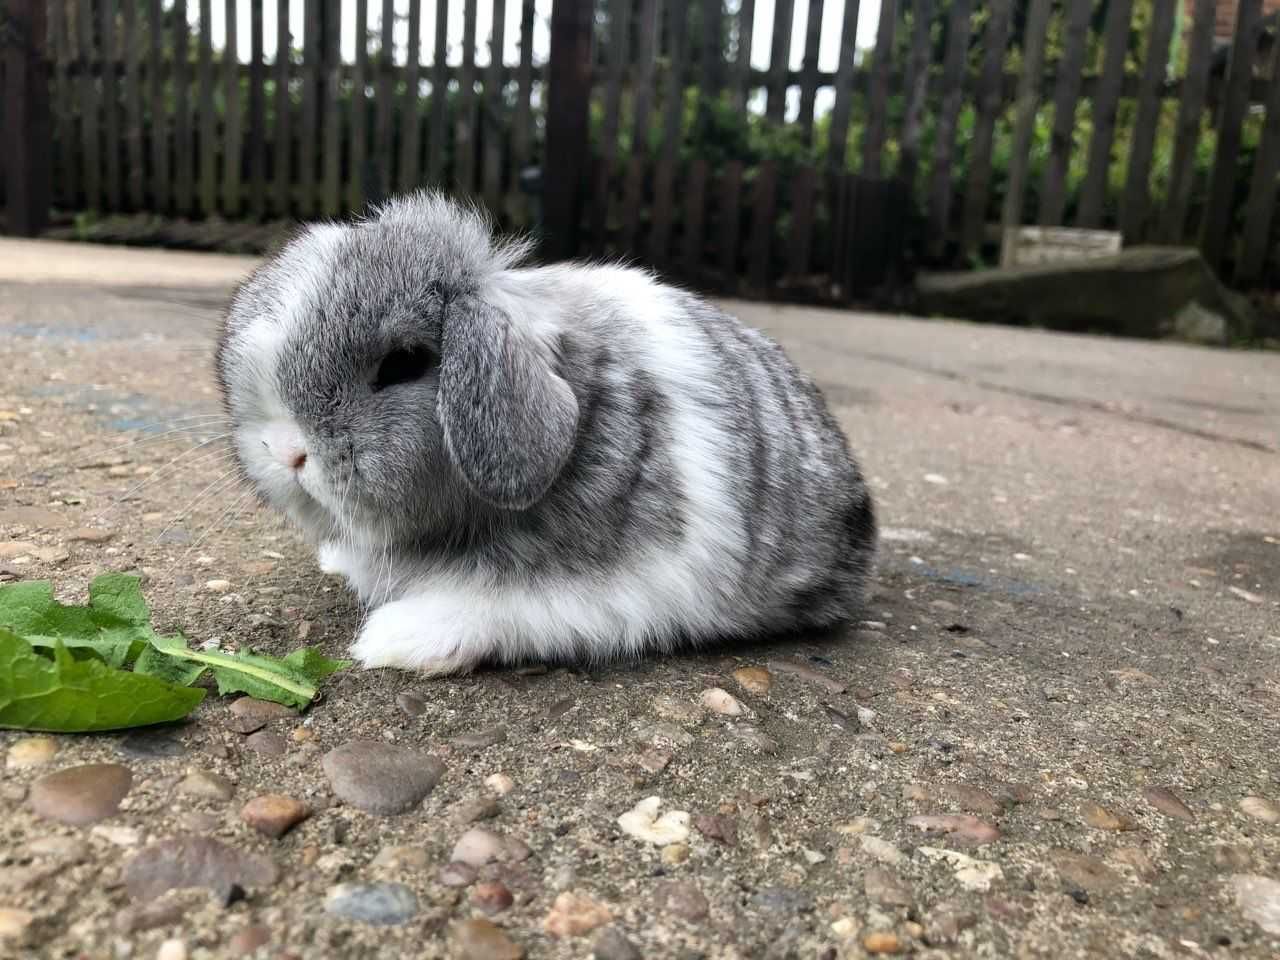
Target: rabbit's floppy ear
[[509, 420]]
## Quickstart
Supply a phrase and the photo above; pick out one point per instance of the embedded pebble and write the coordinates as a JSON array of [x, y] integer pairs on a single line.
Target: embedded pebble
[[500, 784], [1084, 871], [410, 704], [722, 701], [805, 672], [481, 939], [881, 942], [265, 710], [81, 795], [457, 874], [248, 939], [160, 743], [756, 680], [1261, 808], [196, 861], [945, 923], [719, 827], [644, 823], [1259, 899], [379, 777], [958, 826], [970, 873], [166, 911], [117, 835], [478, 808], [612, 944], [1103, 819], [401, 858], [574, 914], [886, 889], [491, 897], [274, 814], [674, 854], [31, 752], [783, 901], [480, 739], [1168, 803], [267, 743], [682, 899], [477, 847], [14, 923], [89, 535], [379, 904], [971, 798], [172, 950], [217, 586], [882, 850], [205, 785]]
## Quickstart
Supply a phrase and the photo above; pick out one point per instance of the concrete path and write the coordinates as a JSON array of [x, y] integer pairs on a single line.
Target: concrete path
[[1071, 668]]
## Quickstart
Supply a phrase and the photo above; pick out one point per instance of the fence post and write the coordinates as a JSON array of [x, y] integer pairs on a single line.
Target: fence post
[[565, 167], [27, 142]]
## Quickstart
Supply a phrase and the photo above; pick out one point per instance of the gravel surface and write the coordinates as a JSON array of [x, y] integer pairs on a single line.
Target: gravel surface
[[1054, 734]]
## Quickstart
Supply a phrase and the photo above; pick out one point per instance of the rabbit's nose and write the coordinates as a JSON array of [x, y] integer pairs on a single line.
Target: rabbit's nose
[[286, 445]]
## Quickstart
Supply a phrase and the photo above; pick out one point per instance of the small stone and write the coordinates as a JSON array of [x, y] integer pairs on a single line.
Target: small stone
[[1103, 819], [166, 911], [756, 680], [90, 535], [1138, 859], [477, 847], [1261, 808], [196, 861], [51, 554], [1259, 900], [31, 752], [882, 850], [401, 858], [500, 784], [481, 939], [172, 950], [379, 904], [117, 835], [970, 873], [267, 743], [159, 743], [573, 915], [721, 701], [612, 944], [886, 889], [15, 923], [410, 704], [674, 854], [217, 586], [206, 786], [682, 899], [379, 777], [654, 760], [196, 821], [755, 738], [474, 810], [678, 710], [643, 823], [721, 828], [971, 798], [264, 710], [946, 922], [1083, 871], [782, 901], [67, 849], [881, 942], [1168, 803], [491, 897], [248, 939], [480, 739], [274, 814], [457, 874], [807, 673], [846, 928], [959, 826], [81, 795]]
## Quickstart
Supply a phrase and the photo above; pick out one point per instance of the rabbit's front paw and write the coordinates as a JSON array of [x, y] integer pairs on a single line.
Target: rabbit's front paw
[[412, 634]]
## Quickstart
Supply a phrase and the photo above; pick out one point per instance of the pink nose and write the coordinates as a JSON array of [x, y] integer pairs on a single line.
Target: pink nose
[[294, 458]]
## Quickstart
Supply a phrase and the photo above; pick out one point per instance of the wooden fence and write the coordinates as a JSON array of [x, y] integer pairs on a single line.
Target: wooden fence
[[660, 133]]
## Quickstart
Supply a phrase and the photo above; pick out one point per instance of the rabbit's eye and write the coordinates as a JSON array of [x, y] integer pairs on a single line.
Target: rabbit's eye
[[404, 366]]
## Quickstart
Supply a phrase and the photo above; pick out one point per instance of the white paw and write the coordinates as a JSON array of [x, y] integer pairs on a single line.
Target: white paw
[[330, 557], [403, 634]]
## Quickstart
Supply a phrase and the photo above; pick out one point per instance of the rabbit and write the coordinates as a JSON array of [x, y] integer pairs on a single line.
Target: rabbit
[[512, 463]]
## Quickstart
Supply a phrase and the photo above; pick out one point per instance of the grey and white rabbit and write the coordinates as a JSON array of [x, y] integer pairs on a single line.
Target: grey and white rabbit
[[513, 463]]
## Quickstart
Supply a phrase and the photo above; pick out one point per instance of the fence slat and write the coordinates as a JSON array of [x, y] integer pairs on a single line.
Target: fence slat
[[89, 109], [385, 101], [358, 143], [132, 106], [842, 107], [647, 30], [1066, 94], [1033, 45], [695, 205], [990, 100], [672, 120], [411, 115], [742, 63], [1135, 201], [257, 115], [1195, 87], [809, 68], [522, 123], [1260, 208], [602, 191], [878, 89], [953, 69], [331, 108], [804, 184], [712, 53], [779, 59], [67, 182], [1235, 103], [208, 120], [1106, 100], [283, 129], [110, 103], [231, 118], [764, 201], [437, 144], [730, 221], [25, 124], [915, 87], [464, 146], [183, 157], [567, 166], [494, 128]]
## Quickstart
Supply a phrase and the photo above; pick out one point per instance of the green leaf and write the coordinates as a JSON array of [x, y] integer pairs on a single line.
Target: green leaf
[[114, 625], [315, 666], [152, 663], [66, 695], [289, 681]]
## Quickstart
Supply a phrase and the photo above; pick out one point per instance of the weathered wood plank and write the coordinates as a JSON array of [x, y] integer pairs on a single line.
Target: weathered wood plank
[[494, 130], [1104, 104], [411, 113], [330, 109], [358, 143], [641, 94], [917, 82], [1066, 94], [742, 59], [568, 126], [25, 124], [522, 123], [282, 130], [1195, 88], [730, 221], [208, 119], [695, 206], [1136, 199], [711, 56], [184, 161], [809, 68], [804, 187], [764, 208], [1235, 103], [779, 59], [616, 64], [66, 184], [257, 115], [990, 99], [1025, 112], [1260, 209], [878, 89], [841, 108], [384, 145], [672, 134], [136, 173], [953, 70], [438, 141], [231, 147], [110, 103], [464, 143]]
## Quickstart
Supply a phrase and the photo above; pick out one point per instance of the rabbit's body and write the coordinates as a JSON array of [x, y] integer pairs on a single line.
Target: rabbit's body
[[645, 471]]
